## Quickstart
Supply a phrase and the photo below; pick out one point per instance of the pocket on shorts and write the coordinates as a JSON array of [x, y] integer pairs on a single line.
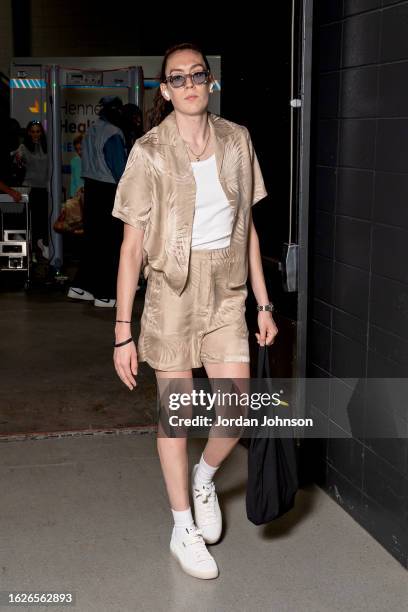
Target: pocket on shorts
[[153, 300], [238, 267]]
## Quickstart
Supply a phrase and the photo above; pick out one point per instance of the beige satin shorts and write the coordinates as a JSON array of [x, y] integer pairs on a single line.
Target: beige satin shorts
[[206, 323]]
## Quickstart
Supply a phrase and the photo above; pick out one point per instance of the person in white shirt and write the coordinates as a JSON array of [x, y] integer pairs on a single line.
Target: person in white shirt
[[194, 311], [32, 155]]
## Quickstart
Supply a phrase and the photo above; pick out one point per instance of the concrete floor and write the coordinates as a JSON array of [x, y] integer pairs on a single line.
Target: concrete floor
[[58, 369], [90, 514]]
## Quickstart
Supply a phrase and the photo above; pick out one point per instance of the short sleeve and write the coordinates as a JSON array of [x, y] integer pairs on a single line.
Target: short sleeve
[[22, 151], [134, 191], [258, 186]]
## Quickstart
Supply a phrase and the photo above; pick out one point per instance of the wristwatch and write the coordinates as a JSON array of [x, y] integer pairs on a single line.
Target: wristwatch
[[268, 306]]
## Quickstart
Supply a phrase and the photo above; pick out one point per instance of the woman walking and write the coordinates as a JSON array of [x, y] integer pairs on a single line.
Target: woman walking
[[186, 197], [33, 157]]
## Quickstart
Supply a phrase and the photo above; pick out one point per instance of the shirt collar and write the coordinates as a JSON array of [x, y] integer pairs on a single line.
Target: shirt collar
[[168, 134]]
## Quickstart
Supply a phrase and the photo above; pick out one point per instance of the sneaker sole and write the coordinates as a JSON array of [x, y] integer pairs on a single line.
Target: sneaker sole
[[77, 296], [206, 539], [105, 305], [196, 574], [211, 541]]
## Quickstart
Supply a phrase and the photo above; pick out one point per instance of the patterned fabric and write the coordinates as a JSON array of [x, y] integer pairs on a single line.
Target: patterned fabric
[[157, 193], [205, 324]]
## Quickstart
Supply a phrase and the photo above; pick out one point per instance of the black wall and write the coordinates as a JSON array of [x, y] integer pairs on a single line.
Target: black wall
[[255, 58], [358, 325]]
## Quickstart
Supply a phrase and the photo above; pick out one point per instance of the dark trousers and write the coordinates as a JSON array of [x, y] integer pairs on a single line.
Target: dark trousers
[[39, 215], [98, 267]]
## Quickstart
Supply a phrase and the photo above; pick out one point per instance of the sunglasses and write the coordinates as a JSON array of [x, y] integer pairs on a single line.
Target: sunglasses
[[179, 80]]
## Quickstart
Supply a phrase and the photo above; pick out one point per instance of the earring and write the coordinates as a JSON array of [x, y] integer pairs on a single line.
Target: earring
[[166, 95], [211, 88]]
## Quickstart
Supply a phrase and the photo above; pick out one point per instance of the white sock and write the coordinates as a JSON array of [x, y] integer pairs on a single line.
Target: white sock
[[182, 519], [205, 473]]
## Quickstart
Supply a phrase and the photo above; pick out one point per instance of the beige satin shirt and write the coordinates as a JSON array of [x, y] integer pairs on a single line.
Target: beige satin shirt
[[157, 192]]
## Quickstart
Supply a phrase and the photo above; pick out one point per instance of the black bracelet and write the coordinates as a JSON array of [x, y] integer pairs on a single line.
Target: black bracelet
[[124, 342], [119, 321]]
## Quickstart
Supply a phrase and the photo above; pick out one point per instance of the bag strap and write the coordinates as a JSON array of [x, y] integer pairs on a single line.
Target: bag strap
[[263, 362], [268, 373]]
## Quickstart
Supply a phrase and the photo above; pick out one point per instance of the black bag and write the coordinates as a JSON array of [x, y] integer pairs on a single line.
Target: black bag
[[272, 469]]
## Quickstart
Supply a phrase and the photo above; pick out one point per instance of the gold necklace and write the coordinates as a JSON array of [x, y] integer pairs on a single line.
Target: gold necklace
[[196, 155]]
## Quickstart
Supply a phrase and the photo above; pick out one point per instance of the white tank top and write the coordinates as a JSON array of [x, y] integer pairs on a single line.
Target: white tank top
[[213, 213]]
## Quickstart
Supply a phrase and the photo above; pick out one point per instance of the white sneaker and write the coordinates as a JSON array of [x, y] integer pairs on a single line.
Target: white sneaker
[[207, 512], [44, 249], [79, 294], [192, 554], [104, 303]]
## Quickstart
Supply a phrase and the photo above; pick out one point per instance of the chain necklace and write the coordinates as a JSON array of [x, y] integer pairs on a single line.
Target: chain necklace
[[198, 155]]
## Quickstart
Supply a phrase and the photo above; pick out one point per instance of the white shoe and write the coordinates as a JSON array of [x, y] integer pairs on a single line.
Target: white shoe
[[192, 554], [207, 512], [79, 294], [44, 249], [105, 303]]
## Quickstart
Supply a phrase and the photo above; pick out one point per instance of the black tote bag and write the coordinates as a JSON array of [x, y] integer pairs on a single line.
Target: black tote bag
[[272, 468]]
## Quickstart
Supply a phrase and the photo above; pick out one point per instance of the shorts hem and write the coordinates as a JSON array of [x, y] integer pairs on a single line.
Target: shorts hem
[[165, 368], [228, 360]]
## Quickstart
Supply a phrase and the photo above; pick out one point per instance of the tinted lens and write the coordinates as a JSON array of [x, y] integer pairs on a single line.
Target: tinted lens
[[178, 80], [200, 77]]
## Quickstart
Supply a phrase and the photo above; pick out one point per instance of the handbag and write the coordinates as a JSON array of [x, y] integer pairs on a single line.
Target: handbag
[[70, 219], [272, 468]]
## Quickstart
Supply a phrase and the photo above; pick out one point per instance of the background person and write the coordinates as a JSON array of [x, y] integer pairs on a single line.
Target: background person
[[103, 162], [76, 167], [32, 156]]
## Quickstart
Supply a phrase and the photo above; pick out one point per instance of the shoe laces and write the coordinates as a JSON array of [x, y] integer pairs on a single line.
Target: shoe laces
[[207, 496], [195, 538]]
